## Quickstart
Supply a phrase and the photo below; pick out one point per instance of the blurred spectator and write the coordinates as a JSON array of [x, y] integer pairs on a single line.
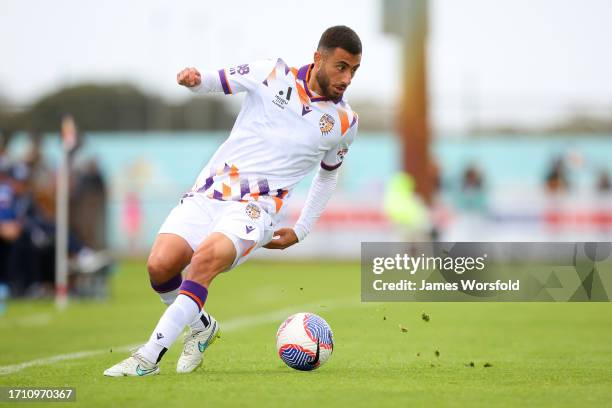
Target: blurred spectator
[[472, 195], [27, 226], [88, 206], [603, 182], [28, 236], [556, 179]]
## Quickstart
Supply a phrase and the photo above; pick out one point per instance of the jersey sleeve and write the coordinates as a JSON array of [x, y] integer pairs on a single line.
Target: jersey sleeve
[[333, 158], [235, 79]]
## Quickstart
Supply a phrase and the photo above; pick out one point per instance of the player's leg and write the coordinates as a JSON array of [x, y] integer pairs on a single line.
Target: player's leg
[[169, 256], [215, 255], [184, 229], [245, 233]]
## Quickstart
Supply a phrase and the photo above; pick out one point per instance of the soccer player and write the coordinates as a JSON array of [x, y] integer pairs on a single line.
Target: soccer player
[[291, 122]]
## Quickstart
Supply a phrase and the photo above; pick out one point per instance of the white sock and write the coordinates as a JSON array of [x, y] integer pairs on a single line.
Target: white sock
[[180, 313], [168, 297], [199, 324]]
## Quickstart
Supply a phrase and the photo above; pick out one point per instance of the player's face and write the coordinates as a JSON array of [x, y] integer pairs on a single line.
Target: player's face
[[336, 71]]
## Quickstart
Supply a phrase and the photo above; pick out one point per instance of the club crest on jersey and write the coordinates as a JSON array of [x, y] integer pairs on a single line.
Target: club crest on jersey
[[326, 123], [252, 211]]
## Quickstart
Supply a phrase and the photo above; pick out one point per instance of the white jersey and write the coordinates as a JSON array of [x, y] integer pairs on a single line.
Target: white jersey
[[282, 133]]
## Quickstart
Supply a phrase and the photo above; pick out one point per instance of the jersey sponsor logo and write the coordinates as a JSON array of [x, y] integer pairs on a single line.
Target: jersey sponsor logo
[[281, 99], [252, 211], [240, 69], [326, 123]]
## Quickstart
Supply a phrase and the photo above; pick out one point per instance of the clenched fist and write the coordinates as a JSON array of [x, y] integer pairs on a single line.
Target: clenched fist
[[189, 77]]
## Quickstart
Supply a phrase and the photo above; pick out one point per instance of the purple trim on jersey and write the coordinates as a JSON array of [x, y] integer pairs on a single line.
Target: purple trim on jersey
[[217, 195], [330, 168], [303, 72], [224, 83], [173, 284], [244, 188], [264, 188], [354, 121], [319, 99]]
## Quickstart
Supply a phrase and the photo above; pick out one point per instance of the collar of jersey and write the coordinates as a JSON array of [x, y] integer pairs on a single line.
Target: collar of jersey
[[304, 74]]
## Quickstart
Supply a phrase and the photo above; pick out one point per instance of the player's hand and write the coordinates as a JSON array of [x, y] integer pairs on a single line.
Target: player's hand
[[283, 238], [189, 77]]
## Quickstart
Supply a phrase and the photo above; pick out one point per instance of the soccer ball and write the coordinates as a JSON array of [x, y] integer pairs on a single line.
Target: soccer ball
[[304, 341]]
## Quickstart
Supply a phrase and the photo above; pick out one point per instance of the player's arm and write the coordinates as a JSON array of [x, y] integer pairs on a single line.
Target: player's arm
[[321, 190], [241, 78]]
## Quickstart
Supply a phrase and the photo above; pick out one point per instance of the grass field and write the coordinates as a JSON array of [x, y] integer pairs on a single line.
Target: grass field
[[540, 354]]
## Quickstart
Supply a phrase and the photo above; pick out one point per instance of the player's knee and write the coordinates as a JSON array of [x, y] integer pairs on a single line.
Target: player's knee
[[159, 269]]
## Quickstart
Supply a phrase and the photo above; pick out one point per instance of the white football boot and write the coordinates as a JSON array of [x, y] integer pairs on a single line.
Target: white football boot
[[136, 366], [196, 344]]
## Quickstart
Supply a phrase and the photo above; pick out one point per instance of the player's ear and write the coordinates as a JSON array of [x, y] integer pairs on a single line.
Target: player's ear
[[317, 59]]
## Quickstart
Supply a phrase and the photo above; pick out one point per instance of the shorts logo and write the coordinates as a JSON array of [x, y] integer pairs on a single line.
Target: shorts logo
[[326, 123], [253, 211]]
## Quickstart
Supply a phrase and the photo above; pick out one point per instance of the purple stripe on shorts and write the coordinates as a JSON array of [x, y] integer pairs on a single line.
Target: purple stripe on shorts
[[330, 168], [264, 188], [168, 286], [224, 82], [195, 289]]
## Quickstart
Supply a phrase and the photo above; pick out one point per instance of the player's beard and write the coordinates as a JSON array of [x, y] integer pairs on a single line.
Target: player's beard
[[323, 81]]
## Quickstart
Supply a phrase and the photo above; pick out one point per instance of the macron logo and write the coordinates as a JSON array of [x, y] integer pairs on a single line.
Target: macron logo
[[160, 336], [249, 229]]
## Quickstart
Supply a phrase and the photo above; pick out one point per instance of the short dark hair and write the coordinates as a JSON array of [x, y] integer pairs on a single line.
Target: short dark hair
[[340, 37]]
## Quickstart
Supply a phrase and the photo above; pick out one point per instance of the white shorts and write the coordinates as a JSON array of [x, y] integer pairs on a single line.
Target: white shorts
[[247, 225]]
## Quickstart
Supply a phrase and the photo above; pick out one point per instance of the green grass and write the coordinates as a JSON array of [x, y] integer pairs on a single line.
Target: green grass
[[542, 354]]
